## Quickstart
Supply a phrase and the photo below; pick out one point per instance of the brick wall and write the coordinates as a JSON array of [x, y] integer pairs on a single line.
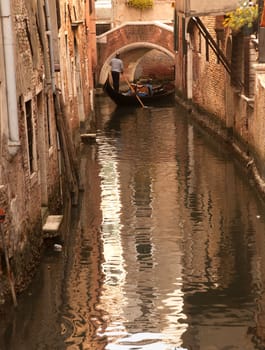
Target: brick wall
[[77, 57], [29, 170], [209, 76], [213, 89], [22, 172], [157, 65], [256, 123], [232, 105]]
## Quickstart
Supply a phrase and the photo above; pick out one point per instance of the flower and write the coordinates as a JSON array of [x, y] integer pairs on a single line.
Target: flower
[[140, 4], [245, 15]]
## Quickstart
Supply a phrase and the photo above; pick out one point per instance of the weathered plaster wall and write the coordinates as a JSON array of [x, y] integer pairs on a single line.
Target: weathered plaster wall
[[205, 7], [30, 178], [121, 12], [21, 194], [77, 57]]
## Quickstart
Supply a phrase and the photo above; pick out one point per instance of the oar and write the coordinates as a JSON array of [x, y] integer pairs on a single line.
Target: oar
[[138, 98]]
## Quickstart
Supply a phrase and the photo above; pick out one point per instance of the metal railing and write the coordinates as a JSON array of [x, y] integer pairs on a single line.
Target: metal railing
[[216, 49]]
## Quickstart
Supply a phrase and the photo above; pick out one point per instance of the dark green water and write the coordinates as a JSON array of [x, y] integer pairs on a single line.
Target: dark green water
[[166, 250]]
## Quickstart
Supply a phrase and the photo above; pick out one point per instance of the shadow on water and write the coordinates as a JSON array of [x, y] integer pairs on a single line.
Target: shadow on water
[[116, 117], [120, 114]]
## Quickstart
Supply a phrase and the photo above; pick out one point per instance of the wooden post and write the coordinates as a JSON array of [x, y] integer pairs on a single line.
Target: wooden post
[[262, 33], [67, 148], [9, 272], [262, 17]]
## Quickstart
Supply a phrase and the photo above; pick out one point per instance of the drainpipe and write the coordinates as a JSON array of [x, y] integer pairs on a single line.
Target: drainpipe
[[47, 77], [10, 69], [49, 33]]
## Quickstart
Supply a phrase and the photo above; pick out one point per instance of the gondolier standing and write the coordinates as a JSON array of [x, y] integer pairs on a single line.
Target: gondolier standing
[[116, 69]]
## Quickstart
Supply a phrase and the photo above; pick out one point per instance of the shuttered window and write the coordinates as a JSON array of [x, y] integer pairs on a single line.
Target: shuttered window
[[241, 74]]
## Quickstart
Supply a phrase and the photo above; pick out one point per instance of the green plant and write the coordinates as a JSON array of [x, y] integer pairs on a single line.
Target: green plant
[[141, 4], [245, 15]]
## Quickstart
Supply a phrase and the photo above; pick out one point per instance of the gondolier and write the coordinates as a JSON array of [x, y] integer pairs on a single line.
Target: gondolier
[[160, 93], [116, 69]]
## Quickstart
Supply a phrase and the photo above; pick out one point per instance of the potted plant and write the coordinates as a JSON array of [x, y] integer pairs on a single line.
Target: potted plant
[[244, 17], [140, 4]]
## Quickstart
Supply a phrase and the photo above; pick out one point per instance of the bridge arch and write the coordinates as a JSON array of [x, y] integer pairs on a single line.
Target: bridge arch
[[133, 40], [131, 55]]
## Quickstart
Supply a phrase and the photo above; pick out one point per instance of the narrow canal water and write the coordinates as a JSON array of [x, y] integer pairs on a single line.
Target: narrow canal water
[[166, 250]]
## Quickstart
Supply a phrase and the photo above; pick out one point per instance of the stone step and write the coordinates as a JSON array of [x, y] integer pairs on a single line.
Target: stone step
[[52, 225]]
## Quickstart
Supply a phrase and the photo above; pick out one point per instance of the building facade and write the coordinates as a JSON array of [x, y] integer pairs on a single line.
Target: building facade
[[47, 55], [224, 87], [143, 36], [219, 71], [113, 13]]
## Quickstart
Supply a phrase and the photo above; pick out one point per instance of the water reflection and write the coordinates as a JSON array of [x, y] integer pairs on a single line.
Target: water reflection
[[141, 301], [166, 250], [184, 244]]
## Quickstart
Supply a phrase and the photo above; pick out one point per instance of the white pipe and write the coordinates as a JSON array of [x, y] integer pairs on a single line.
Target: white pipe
[[49, 33], [189, 67], [10, 69]]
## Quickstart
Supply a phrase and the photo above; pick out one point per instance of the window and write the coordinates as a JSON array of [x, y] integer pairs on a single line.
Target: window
[[102, 28]]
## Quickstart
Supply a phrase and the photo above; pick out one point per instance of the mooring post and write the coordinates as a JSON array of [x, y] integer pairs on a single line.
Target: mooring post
[[9, 272], [261, 31]]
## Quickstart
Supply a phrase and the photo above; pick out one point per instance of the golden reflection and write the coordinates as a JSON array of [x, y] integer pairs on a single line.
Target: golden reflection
[[142, 285], [112, 298]]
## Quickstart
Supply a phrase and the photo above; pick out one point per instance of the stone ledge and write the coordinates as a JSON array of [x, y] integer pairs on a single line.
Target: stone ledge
[[52, 224]]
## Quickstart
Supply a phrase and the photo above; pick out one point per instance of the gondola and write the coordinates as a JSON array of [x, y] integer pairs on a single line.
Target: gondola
[[160, 94]]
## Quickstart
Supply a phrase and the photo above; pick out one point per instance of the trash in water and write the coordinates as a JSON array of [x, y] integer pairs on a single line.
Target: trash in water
[[57, 247]]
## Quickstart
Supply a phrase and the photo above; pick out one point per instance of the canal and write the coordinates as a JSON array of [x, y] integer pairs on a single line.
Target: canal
[[166, 250]]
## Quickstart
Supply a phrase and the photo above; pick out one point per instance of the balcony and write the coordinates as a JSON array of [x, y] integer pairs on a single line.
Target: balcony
[[205, 7]]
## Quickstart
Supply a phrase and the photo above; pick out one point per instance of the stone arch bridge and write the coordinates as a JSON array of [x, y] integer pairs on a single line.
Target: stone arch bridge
[[133, 40]]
